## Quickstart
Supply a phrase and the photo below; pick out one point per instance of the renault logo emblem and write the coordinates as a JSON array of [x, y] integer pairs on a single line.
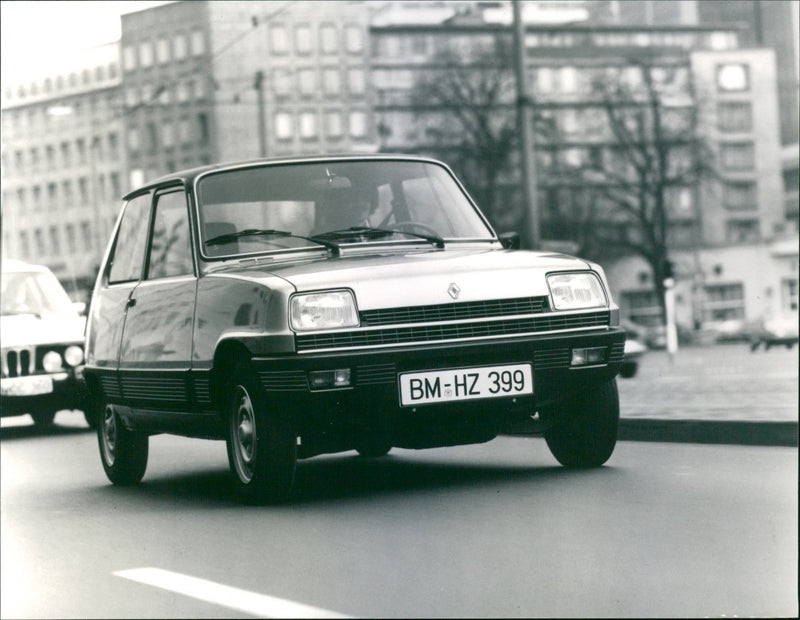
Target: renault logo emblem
[[453, 290]]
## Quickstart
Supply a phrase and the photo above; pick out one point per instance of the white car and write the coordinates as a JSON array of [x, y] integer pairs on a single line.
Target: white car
[[41, 333]]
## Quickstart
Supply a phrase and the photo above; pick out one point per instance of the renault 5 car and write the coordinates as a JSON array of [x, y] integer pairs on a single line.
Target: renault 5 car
[[303, 306]]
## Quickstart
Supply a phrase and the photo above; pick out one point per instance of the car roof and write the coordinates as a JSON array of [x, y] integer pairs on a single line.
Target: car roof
[[10, 264], [186, 177]]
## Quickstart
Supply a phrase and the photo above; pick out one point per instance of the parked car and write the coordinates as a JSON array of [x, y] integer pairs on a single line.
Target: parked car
[[316, 305], [634, 350], [781, 332], [41, 337]]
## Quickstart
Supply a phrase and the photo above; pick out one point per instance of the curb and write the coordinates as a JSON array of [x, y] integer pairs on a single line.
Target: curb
[[734, 432]]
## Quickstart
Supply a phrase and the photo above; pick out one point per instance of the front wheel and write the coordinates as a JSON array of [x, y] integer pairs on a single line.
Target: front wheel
[[262, 451], [586, 432], [44, 419], [122, 451]]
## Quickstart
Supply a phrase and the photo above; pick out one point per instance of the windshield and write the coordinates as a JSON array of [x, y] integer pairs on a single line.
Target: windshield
[[318, 205], [33, 292]]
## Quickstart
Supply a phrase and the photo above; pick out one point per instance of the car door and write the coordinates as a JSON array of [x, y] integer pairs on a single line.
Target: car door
[[121, 273], [155, 350]]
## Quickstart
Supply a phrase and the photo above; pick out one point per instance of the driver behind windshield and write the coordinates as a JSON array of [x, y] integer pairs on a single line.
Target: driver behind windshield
[[340, 208]]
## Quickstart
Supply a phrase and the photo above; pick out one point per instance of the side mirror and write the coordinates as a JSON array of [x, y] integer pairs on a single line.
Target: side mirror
[[510, 240]]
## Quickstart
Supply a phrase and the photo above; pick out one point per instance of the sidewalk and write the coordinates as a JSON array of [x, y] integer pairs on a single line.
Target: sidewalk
[[713, 394]]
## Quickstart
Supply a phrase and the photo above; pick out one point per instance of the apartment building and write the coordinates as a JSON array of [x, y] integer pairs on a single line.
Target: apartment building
[[63, 165]]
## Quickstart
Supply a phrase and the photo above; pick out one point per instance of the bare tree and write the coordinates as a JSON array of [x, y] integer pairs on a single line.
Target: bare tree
[[469, 97], [656, 150]]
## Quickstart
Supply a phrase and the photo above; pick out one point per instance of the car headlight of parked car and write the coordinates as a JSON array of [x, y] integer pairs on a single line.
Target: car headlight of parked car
[[52, 361], [328, 310], [73, 355], [573, 291]]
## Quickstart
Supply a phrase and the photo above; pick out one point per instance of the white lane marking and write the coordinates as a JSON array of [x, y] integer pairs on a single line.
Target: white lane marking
[[254, 603]]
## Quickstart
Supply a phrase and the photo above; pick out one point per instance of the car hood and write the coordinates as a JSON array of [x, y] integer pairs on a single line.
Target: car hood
[[29, 329], [426, 278]]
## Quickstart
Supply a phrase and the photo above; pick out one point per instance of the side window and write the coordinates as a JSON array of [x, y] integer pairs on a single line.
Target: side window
[[170, 249], [126, 262]]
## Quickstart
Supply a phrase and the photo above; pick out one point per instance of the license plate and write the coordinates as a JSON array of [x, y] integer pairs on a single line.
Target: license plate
[[26, 386], [439, 386]]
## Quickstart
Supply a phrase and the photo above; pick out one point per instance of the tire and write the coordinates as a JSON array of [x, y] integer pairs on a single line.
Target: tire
[[44, 419], [91, 418], [262, 450], [586, 433], [374, 448], [628, 370], [123, 452]]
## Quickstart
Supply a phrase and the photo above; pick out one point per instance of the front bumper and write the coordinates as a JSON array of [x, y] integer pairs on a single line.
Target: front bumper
[[373, 399], [42, 392]]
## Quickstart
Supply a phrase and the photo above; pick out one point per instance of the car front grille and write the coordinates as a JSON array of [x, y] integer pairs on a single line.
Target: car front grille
[[399, 335], [455, 312], [19, 362]]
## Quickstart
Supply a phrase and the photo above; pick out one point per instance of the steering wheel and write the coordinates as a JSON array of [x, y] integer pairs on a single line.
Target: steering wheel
[[409, 225]]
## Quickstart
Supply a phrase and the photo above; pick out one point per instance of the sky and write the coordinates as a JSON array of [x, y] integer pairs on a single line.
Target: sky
[[34, 34]]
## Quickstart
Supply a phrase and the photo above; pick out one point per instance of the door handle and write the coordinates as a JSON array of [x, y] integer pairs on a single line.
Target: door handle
[[131, 302]]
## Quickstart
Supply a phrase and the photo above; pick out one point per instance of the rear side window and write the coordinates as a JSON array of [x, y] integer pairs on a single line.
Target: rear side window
[[128, 257], [170, 249]]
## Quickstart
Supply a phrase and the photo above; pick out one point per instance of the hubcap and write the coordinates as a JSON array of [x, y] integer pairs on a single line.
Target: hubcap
[[109, 434], [243, 434]]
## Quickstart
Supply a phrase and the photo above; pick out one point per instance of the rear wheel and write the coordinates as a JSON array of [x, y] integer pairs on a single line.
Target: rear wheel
[[586, 433], [122, 451], [262, 450]]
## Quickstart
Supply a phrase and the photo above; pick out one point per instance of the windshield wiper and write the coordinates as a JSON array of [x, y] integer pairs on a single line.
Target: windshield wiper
[[369, 231], [269, 232]]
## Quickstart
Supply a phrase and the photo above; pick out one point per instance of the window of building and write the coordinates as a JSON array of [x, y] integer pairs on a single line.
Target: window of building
[[789, 297], [333, 124], [282, 82], [112, 70], [642, 307], [72, 241], [185, 131], [66, 193], [162, 50], [354, 39], [355, 81], [307, 79], [199, 89], [723, 302], [733, 77], [203, 130], [99, 73], [52, 196], [740, 196], [735, 116], [329, 38], [21, 199], [569, 80], [55, 241], [168, 134], [278, 39], [742, 231], [24, 244], [358, 124], [183, 91], [170, 248], [37, 198], [50, 156], [331, 81], [83, 191], [86, 235], [152, 137], [116, 188], [128, 58], [134, 143], [38, 238], [283, 126], [66, 155], [113, 146], [146, 53], [738, 155], [180, 46], [198, 43], [302, 38], [308, 125]]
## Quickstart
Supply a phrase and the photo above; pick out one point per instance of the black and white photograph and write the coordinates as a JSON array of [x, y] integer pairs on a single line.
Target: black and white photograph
[[399, 308]]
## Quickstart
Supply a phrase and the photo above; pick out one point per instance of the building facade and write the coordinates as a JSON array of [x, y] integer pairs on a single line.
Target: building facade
[[63, 166]]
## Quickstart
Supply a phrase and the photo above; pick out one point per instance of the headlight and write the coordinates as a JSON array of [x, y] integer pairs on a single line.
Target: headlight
[[73, 355], [571, 291], [52, 362], [327, 310]]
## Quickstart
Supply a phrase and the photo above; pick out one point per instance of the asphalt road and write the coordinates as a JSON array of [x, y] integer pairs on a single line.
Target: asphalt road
[[493, 530]]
